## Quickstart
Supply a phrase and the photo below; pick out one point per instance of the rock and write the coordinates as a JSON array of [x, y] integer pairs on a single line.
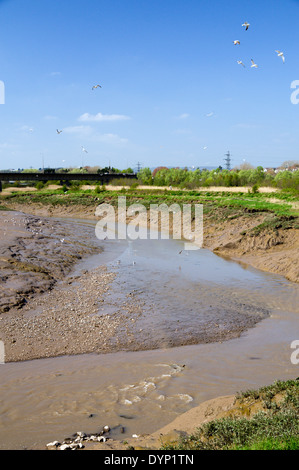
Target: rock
[[53, 445], [65, 447], [67, 440], [76, 446]]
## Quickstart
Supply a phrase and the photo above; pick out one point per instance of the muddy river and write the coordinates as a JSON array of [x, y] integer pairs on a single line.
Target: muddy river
[[188, 300]]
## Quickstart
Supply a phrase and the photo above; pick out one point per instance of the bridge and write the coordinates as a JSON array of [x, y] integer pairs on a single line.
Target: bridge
[[63, 178]]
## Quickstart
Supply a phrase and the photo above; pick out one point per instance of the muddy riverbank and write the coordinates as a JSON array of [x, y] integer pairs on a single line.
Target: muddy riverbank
[[271, 250], [50, 307], [47, 311], [213, 307]]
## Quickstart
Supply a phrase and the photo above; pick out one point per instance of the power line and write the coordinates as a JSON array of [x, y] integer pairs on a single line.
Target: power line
[[228, 160]]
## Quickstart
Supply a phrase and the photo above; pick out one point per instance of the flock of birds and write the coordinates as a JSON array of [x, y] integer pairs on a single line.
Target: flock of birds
[[253, 64], [240, 62]]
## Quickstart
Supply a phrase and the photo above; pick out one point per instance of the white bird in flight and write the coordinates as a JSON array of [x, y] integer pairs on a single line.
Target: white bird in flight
[[96, 86], [253, 64], [246, 25], [58, 132], [280, 54], [240, 63], [84, 150], [236, 41]]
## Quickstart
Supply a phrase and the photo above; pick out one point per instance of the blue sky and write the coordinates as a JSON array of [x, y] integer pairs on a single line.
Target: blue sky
[[172, 92]]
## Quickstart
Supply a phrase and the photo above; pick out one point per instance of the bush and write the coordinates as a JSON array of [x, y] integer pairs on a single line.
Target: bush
[[40, 185], [274, 427], [99, 189]]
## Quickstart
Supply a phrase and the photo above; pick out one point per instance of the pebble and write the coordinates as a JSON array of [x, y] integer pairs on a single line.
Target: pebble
[[76, 441]]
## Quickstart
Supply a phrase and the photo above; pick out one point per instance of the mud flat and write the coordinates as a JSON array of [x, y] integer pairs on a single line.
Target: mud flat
[[45, 309], [72, 305], [35, 253], [48, 311], [275, 251]]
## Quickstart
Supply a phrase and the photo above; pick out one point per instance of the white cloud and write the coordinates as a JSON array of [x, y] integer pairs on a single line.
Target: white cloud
[[89, 133], [102, 117], [183, 116], [26, 128]]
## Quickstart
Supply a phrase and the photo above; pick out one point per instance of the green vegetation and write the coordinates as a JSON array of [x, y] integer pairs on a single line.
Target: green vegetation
[[277, 210], [274, 426], [281, 209], [287, 179]]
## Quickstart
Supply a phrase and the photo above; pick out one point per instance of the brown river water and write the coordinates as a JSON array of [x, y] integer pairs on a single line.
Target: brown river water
[[136, 392]]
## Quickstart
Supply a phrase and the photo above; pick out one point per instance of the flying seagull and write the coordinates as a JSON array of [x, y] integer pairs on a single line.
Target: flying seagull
[[240, 63], [253, 64], [280, 54], [236, 42], [246, 25], [84, 150], [96, 86], [58, 132]]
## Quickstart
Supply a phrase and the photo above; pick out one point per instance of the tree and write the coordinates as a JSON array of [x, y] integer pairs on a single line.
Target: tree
[[145, 176], [159, 168]]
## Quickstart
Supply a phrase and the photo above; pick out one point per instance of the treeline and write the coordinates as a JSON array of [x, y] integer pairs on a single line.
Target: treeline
[[85, 169], [187, 179]]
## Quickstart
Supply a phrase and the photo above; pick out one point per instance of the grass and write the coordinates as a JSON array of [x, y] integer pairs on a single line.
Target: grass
[[273, 444], [274, 426], [280, 212]]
